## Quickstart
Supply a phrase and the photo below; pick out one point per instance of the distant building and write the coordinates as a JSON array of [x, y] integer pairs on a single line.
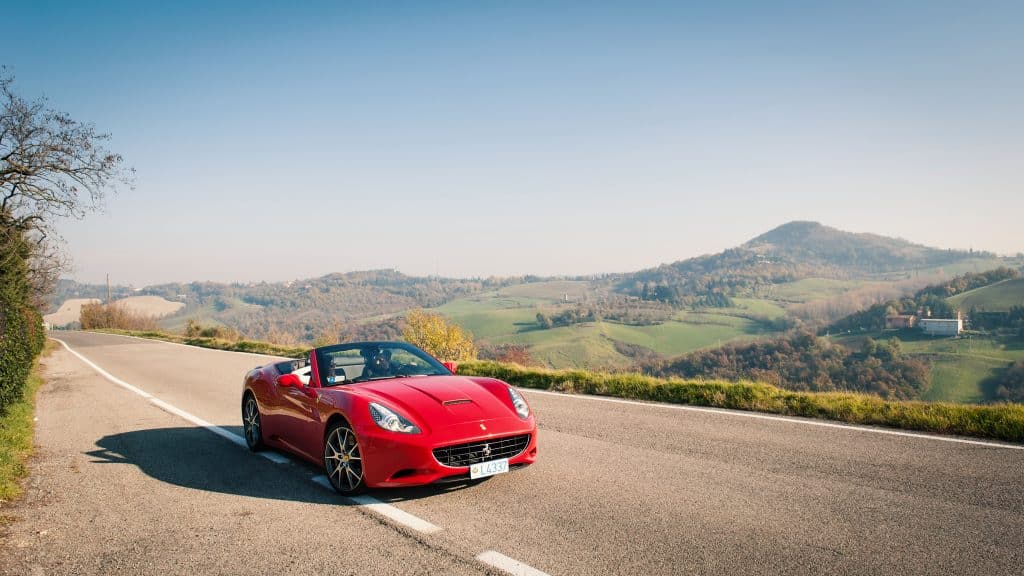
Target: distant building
[[942, 326], [898, 321]]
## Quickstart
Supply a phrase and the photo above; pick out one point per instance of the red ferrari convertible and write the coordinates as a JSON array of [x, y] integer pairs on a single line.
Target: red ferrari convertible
[[379, 414]]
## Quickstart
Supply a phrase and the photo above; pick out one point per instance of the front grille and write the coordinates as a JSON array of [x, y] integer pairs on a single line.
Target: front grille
[[485, 451]]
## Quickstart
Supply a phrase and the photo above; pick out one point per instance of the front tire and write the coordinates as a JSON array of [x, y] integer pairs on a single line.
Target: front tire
[[252, 424], [343, 460]]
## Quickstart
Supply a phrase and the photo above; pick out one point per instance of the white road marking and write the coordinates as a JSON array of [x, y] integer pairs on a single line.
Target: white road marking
[[395, 514], [386, 510], [223, 433], [509, 565], [727, 412]]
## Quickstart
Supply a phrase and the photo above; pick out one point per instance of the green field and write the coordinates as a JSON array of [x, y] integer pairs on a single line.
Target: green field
[[994, 297], [509, 315], [958, 365], [810, 289]]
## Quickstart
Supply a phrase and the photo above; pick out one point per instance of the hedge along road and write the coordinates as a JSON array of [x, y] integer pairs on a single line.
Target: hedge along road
[[618, 488]]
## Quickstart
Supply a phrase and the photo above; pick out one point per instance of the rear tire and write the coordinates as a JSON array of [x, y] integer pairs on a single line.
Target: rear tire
[[252, 424], [343, 460]]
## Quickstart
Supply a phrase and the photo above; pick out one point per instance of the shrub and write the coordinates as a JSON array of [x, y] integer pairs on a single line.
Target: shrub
[[1000, 421], [116, 315]]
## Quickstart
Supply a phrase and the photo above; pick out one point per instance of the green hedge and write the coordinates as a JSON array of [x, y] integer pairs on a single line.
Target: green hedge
[[998, 421], [21, 326]]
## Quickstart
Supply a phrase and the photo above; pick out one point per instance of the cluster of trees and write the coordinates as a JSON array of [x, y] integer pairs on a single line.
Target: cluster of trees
[[928, 300], [51, 167], [803, 361], [1011, 320], [1007, 384], [114, 315], [624, 310], [969, 281]]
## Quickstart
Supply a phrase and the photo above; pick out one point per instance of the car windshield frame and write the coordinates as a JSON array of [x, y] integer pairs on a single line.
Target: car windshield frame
[[326, 360]]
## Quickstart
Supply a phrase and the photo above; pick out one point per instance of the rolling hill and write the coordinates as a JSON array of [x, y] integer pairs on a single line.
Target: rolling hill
[[998, 297], [790, 253]]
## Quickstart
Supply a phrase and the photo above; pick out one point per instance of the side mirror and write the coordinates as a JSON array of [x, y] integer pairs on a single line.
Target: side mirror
[[286, 380], [453, 367]]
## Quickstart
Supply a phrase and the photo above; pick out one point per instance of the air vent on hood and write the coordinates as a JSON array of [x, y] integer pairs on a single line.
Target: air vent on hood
[[460, 401]]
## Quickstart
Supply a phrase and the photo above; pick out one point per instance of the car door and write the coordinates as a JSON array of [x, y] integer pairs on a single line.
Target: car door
[[299, 416]]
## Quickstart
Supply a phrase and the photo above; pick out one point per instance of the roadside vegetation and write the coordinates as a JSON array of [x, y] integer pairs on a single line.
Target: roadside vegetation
[[114, 315], [999, 421], [16, 433], [239, 345], [51, 167]]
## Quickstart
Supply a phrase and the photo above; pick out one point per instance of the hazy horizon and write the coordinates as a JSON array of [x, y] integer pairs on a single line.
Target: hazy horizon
[[476, 139], [122, 282]]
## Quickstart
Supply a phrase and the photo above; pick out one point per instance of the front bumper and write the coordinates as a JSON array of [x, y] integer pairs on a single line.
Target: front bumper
[[392, 459]]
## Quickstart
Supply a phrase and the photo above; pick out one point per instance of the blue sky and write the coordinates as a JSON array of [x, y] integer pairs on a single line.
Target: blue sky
[[283, 140]]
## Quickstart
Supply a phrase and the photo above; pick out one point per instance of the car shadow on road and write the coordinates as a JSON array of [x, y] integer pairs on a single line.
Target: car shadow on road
[[195, 458]]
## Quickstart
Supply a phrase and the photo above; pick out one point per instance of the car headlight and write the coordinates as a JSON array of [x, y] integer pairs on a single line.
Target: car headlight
[[388, 419], [522, 408]]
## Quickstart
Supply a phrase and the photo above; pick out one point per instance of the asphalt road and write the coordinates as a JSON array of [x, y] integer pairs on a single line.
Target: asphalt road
[[123, 485]]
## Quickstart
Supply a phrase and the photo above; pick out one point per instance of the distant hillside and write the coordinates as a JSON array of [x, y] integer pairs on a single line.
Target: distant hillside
[[789, 253], [300, 310], [999, 297], [857, 253]]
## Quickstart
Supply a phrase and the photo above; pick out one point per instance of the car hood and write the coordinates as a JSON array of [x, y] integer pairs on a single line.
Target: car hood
[[439, 401]]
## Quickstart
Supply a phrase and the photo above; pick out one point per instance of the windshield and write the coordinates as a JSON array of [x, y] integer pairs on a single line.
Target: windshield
[[360, 362]]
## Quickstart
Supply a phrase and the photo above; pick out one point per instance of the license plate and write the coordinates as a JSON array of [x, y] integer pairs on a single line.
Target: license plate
[[485, 469]]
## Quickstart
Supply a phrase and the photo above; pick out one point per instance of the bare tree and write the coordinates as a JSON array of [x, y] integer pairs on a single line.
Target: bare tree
[[51, 166]]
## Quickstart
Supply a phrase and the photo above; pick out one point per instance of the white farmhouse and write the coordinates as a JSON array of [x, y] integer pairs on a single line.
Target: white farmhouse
[[941, 326]]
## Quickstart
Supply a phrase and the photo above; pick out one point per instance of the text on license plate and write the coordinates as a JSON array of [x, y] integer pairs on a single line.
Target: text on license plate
[[484, 469]]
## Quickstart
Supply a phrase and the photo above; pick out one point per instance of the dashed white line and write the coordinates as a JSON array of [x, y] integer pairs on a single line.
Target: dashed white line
[[386, 510], [739, 414], [395, 514], [508, 565]]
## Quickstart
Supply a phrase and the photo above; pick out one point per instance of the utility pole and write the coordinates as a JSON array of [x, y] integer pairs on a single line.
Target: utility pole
[[108, 289]]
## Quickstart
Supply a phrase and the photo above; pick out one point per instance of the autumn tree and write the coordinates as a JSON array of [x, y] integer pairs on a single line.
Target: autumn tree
[[439, 337]]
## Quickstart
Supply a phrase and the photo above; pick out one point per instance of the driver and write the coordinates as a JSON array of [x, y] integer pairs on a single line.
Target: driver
[[378, 363]]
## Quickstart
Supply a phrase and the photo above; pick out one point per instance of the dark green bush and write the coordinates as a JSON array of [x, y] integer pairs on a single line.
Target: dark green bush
[[21, 326]]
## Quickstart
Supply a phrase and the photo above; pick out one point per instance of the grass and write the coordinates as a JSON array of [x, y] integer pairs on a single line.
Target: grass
[[810, 289], [554, 290], [994, 297], [675, 337], [16, 432], [999, 421]]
